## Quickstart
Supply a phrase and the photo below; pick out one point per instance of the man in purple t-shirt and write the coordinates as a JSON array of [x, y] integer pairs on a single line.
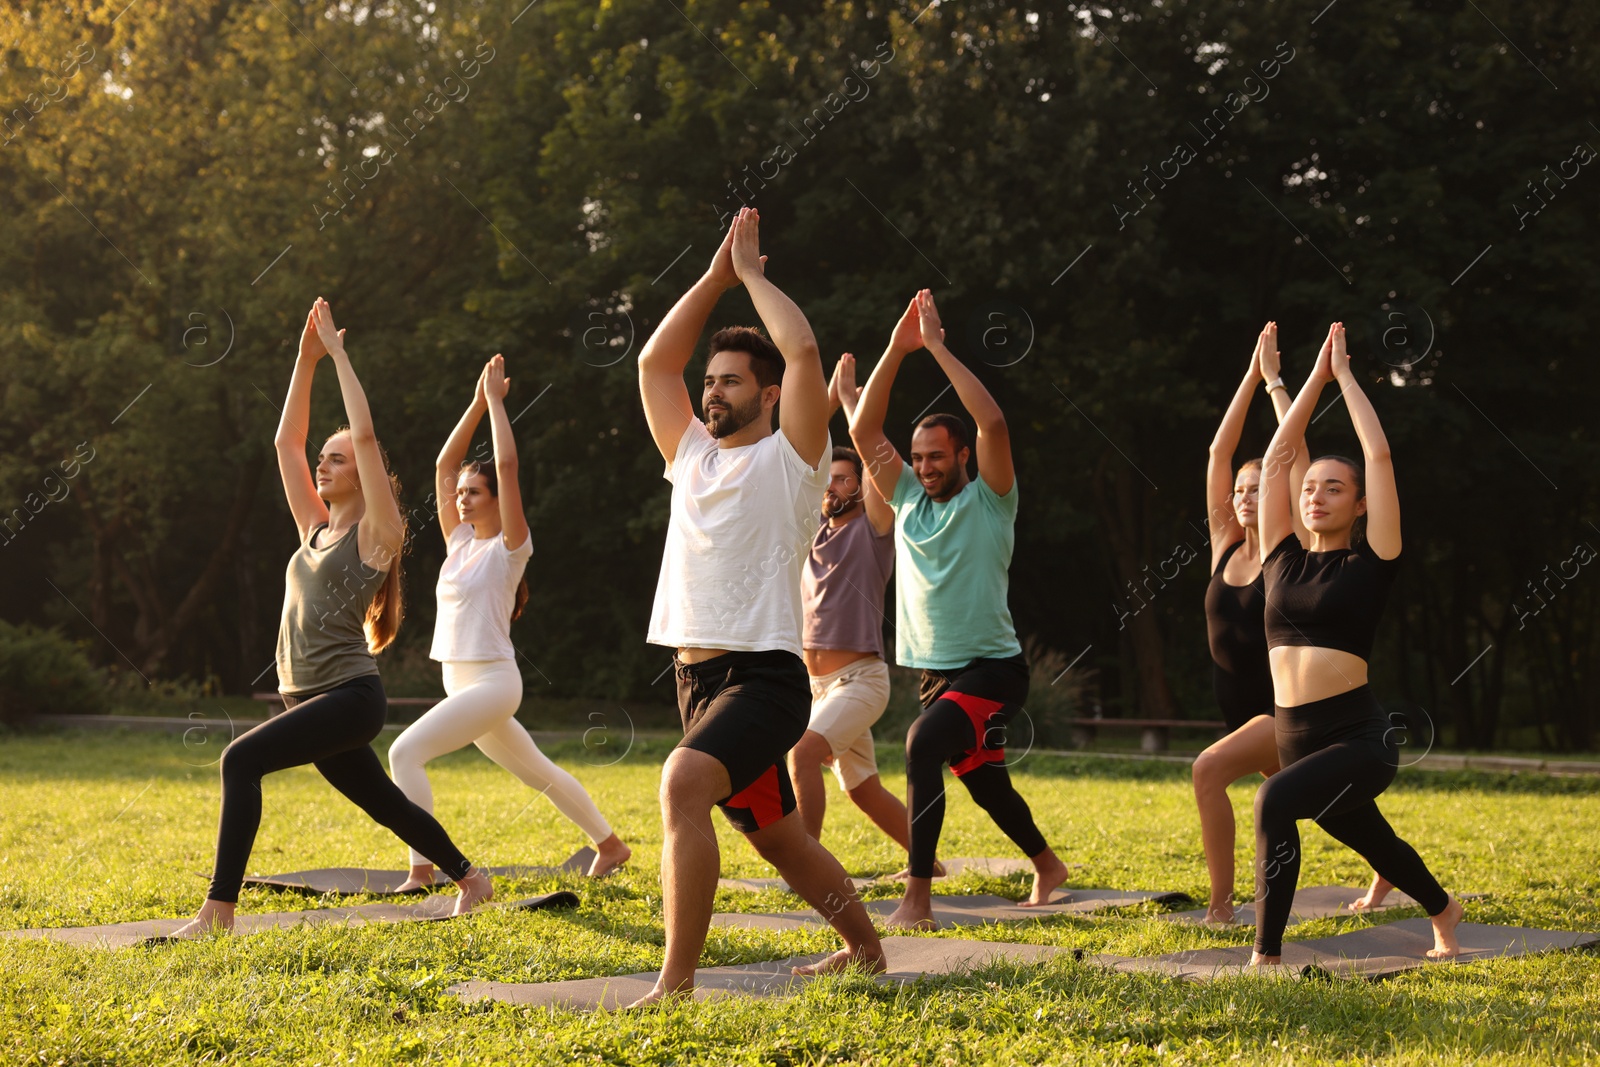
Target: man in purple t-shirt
[[842, 590]]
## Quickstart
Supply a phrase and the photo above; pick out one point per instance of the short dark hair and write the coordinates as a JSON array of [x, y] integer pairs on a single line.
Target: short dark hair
[[766, 362], [952, 425], [841, 452]]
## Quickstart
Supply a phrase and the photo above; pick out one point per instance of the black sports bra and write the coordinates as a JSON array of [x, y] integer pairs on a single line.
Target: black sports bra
[[1326, 599], [1234, 619]]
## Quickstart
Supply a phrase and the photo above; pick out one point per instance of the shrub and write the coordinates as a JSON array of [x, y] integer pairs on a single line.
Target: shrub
[[43, 672]]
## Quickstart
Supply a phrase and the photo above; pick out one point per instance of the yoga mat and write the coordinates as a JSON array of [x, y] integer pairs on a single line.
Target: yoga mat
[[430, 909], [993, 866], [348, 881], [1312, 902], [1374, 952], [909, 958], [962, 911]]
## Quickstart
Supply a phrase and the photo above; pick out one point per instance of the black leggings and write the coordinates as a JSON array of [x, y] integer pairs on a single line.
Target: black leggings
[[1337, 755], [987, 691], [334, 732]]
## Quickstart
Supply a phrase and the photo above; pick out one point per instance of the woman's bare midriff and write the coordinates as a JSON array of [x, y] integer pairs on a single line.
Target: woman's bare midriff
[[1302, 674], [821, 661]]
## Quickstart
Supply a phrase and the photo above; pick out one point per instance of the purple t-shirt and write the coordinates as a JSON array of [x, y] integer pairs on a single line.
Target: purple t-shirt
[[841, 589]]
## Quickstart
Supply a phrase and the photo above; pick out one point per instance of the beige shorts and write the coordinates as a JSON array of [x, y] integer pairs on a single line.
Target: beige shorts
[[844, 705]]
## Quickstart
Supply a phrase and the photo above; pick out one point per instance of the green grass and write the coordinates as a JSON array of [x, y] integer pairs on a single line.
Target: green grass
[[106, 827]]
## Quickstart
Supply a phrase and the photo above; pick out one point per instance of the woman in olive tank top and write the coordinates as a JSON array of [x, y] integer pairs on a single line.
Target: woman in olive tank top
[[341, 606]]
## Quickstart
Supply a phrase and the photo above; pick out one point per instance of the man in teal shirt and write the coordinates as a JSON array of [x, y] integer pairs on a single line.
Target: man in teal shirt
[[953, 541]]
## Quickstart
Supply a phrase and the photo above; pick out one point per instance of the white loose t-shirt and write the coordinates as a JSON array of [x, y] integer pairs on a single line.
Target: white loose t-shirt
[[742, 523], [476, 592]]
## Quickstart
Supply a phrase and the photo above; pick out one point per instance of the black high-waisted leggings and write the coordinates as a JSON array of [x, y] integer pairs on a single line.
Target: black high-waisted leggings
[[1337, 755], [988, 692], [334, 732]]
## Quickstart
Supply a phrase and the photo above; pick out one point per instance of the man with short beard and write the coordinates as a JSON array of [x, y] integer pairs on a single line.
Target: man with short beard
[[953, 555], [841, 592], [728, 600]]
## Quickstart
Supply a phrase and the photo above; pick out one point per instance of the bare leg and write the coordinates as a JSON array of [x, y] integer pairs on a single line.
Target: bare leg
[[1379, 889], [1251, 748], [476, 888], [916, 907], [608, 856], [691, 784], [885, 810], [814, 873], [1445, 945], [806, 760], [1048, 874], [421, 877], [215, 915]]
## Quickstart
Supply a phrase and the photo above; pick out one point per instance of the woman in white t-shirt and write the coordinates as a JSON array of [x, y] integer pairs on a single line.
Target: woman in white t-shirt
[[481, 589]]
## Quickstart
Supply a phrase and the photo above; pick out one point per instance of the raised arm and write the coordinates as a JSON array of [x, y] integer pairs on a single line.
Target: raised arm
[[381, 532], [1222, 523], [878, 456], [447, 468], [993, 444], [299, 486], [667, 407], [513, 522], [1280, 495], [1271, 374], [1383, 496], [843, 386], [803, 409]]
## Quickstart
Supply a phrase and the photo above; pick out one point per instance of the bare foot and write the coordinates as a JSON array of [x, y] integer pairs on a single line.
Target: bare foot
[[476, 888], [1374, 898], [910, 916], [215, 916], [1258, 960], [904, 873], [1445, 945], [608, 856], [421, 877], [1048, 874], [871, 962], [660, 997], [1219, 915]]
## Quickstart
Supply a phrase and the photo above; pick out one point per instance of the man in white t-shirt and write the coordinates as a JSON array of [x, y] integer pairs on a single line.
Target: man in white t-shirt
[[728, 600]]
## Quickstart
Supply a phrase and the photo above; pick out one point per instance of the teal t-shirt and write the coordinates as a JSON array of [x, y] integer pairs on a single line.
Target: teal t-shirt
[[951, 564]]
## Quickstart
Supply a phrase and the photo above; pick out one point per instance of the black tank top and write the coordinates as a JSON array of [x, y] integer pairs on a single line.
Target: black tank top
[[1236, 632], [1326, 599]]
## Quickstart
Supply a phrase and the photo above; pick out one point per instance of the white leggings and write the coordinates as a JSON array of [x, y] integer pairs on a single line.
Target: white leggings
[[479, 708]]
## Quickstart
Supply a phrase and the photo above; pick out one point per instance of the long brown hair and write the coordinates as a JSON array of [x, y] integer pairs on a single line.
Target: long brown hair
[[387, 610], [487, 471]]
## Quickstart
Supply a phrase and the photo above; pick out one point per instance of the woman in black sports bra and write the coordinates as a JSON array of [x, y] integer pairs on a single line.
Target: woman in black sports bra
[[1235, 630], [1335, 746]]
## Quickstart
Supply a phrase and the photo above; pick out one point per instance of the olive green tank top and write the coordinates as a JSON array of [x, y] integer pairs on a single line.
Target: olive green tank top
[[327, 590]]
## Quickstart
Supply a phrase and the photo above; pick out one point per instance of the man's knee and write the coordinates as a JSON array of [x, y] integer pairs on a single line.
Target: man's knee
[[812, 750], [692, 781]]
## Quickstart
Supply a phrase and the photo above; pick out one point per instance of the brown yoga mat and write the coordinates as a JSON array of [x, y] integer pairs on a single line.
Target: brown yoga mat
[[1312, 902], [992, 866], [909, 958], [430, 909], [965, 910], [349, 881], [1374, 952]]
